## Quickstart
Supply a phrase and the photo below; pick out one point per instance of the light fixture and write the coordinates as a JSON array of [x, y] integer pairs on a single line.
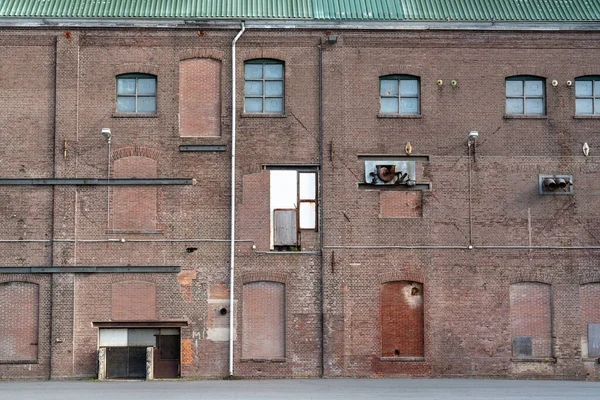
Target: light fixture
[[473, 135], [106, 132]]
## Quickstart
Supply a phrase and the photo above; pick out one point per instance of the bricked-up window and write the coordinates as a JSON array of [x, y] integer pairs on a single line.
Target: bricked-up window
[[530, 320], [136, 93], [134, 208], [589, 295], [402, 319], [399, 94], [587, 95], [133, 300], [200, 97], [263, 321], [293, 205], [19, 310], [264, 86], [525, 95]]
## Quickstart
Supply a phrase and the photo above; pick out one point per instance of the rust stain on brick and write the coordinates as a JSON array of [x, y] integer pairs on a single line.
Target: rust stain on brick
[[187, 352], [186, 277]]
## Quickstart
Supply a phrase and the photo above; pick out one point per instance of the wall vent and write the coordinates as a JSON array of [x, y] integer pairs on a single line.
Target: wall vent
[[555, 184], [389, 172]]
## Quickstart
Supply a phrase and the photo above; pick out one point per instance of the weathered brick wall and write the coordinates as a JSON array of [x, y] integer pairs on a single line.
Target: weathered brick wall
[[401, 321], [19, 316], [69, 84], [530, 315]]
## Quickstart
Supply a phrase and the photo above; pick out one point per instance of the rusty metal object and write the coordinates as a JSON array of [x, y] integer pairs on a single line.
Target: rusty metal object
[[386, 173]]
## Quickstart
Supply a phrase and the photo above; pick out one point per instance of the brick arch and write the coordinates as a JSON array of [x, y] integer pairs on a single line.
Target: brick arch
[[19, 321], [589, 277], [538, 277], [263, 276], [402, 319], [201, 53], [264, 53], [132, 151], [133, 300], [402, 275], [136, 68], [398, 70]]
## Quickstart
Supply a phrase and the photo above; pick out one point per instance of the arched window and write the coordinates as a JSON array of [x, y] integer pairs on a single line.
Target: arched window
[[399, 94], [402, 319], [587, 95], [264, 86], [525, 95], [136, 93]]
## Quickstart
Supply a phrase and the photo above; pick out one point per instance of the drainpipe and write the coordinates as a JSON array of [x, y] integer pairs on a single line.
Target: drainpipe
[[232, 246], [321, 208]]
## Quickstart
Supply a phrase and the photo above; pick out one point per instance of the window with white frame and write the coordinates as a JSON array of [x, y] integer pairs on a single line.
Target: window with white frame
[[399, 94], [293, 206], [136, 93], [525, 95], [587, 95], [263, 87]]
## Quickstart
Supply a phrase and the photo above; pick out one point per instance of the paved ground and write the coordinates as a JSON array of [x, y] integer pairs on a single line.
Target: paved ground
[[342, 389]]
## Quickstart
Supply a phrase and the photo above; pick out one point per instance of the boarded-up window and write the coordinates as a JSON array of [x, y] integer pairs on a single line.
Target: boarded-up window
[[263, 321], [134, 208], [402, 319], [133, 300], [199, 97], [530, 320], [19, 309], [590, 315]]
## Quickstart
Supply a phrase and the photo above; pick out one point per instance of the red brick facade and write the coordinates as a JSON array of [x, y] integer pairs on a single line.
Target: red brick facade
[[491, 257]]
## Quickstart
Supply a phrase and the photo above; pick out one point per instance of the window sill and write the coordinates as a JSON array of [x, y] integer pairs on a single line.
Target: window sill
[[401, 116], [586, 116], [524, 116], [19, 362], [117, 232], [134, 115], [261, 360], [594, 360], [549, 360], [402, 359], [265, 115], [288, 252], [419, 186]]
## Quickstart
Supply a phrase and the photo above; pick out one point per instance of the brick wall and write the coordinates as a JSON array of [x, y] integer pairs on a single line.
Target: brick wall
[[263, 321], [402, 319], [530, 315], [200, 97], [133, 301], [396, 204], [134, 208], [590, 311], [19, 315]]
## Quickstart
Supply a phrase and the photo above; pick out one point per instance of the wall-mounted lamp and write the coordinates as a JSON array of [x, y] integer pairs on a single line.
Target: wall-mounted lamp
[[473, 135], [106, 133], [331, 39]]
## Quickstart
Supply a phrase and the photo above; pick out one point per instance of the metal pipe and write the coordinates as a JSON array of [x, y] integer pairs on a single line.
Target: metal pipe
[[469, 142], [108, 189], [122, 240], [320, 210], [434, 247], [232, 247]]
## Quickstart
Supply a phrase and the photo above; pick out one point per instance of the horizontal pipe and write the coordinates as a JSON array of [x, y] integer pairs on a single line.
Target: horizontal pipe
[[466, 247], [85, 270], [122, 240], [95, 181]]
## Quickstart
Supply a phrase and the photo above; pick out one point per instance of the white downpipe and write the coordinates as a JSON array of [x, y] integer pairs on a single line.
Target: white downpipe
[[232, 249]]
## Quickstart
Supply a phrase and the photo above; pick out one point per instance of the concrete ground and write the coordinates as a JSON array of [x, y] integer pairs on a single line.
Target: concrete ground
[[281, 389]]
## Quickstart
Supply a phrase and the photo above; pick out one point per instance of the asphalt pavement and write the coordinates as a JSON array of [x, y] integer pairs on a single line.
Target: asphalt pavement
[[283, 389]]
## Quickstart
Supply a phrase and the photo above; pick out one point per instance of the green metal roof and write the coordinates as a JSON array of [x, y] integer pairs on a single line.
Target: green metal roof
[[502, 10], [353, 10]]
